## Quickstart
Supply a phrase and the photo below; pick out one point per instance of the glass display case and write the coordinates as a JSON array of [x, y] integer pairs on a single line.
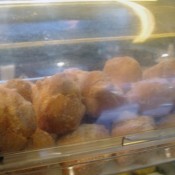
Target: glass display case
[[87, 87]]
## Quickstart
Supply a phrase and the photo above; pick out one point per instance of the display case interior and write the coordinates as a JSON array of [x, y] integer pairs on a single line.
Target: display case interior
[[86, 87]]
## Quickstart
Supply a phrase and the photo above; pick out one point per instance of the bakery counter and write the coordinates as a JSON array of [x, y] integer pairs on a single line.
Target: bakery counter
[[103, 157], [86, 87], [79, 121]]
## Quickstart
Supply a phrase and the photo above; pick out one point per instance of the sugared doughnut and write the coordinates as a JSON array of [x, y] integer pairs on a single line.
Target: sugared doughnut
[[17, 120], [99, 94], [131, 126], [123, 70], [40, 139], [164, 69], [58, 104], [23, 87], [155, 97]]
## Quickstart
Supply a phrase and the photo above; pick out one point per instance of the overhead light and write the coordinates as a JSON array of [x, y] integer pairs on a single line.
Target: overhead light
[[60, 64], [165, 55]]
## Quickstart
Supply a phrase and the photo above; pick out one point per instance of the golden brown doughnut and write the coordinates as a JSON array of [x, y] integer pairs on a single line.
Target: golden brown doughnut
[[155, 97], [99, 94], [23, 87], [58, 105], [78, 76], [131, 126], [17, 120], [123, 70], [164, 69], [40, 139], [12, 142]]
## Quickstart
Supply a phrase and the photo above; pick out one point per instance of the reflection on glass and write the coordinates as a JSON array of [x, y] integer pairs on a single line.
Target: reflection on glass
[[146, 19], [7, 72]]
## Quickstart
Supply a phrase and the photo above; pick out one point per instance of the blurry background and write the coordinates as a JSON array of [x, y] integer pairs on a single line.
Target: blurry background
[[40, 40]]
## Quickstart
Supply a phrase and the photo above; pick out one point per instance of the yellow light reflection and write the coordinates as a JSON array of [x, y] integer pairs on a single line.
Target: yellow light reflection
[[78, 41], [145, 16], [57, 1], [146, 19], [144, 0]]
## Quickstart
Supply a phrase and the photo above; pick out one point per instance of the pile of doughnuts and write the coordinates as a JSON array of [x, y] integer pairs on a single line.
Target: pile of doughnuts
[[119, 100]]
